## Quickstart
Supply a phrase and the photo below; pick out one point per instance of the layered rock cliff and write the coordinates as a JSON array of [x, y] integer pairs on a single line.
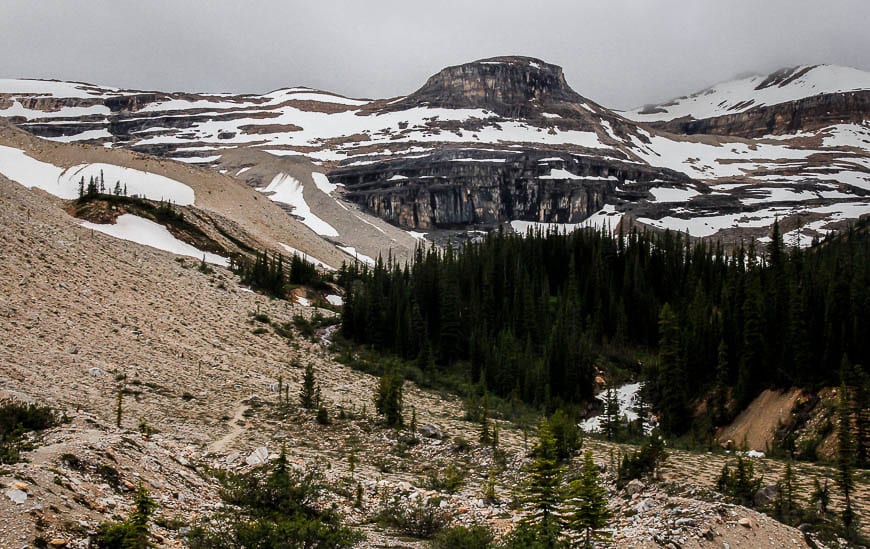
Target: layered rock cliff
[[455, 188], [807, 114]]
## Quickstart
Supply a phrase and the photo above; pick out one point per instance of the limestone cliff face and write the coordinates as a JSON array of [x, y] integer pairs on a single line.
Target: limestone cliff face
[[458, 188], [806, 114], [510, 86]]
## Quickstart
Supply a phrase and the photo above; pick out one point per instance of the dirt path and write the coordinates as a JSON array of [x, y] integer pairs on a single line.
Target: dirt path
[[236, 428]]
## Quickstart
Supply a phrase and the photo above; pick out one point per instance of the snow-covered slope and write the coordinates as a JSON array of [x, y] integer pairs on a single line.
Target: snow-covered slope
[[449, 154], [754, 91]]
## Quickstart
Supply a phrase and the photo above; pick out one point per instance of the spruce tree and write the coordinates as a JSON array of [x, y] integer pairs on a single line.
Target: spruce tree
[[674, 394], [845, 457], [612, 414], [543, 489], [785, 503], [309, 393], [720, 393], [586, 503], [388, 399]]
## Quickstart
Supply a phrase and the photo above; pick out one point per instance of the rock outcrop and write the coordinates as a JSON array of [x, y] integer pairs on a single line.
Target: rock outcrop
[[460, 187], [810, 113]]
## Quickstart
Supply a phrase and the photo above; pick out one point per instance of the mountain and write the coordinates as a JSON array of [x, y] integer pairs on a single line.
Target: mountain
[[505, 140]]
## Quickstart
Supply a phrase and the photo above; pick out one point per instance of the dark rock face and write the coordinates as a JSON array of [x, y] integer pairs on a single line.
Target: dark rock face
[[508, 86], [805, 114], [458, 188]]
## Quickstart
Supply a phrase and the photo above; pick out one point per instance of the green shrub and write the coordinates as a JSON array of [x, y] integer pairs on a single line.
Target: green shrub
[[273, 506], [261, 317], [644, 460], [421, 518], [132, 533], [477, 536], [450, 480], [17, 419], [741, 482], [323, 416]]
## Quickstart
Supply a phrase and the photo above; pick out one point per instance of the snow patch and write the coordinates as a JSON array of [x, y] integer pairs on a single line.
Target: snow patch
[[144, 231], [283, 188]]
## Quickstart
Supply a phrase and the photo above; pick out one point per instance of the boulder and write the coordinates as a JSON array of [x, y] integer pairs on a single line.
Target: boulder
[[745, 522], [634, 487], [645, 505], [430, 431], [258, 456], [766, 496], [17, 496]]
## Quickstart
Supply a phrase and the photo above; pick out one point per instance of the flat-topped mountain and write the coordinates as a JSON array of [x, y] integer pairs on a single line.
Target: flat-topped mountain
[[510, 86]]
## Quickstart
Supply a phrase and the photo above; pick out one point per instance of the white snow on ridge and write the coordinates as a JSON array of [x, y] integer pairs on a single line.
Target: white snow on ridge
[[560, 173], [334, 299], [740, 95], [605, 218], [287, 190], [322, 182], [144, 231], [304, 256], [848, 135], [351, 251], [145, 184], [703, 161], [48, 88], [30, 172], [668, 194], [701, 226], [17, 109], [83, 136]]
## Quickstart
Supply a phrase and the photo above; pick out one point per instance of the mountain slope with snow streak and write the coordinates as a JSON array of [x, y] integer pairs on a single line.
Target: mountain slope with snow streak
[[755, 91]]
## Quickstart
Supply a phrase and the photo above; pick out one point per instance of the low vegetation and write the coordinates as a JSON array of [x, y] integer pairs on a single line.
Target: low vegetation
[[17, 419]]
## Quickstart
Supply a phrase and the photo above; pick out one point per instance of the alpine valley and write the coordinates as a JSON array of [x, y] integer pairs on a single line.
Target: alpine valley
[[299, 319]]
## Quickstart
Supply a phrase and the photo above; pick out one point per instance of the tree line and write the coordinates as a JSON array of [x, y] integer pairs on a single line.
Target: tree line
[[529, 317]]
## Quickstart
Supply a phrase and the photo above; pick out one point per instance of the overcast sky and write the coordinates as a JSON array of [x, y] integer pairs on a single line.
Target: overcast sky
[[620, 53]]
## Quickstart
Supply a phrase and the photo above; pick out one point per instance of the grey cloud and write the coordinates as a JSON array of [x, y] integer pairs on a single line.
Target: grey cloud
[[620, 53]]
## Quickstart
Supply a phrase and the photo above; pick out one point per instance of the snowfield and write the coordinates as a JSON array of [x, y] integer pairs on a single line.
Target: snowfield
[[144, 231], [626, 395], [143, 184], [64, 183], [287, 190], [741, 95]]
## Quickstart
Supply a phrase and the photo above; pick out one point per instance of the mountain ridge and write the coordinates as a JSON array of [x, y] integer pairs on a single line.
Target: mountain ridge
[[455, 153]]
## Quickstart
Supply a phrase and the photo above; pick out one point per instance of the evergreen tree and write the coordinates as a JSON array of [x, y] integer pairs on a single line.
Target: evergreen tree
[[719, 404], [132, 533], [586, 503], [388, 400], [612, 417], [821, 496], [674, 399], [845, 456], [543, 489], [309, 394], [741, 483], [785, 505]]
